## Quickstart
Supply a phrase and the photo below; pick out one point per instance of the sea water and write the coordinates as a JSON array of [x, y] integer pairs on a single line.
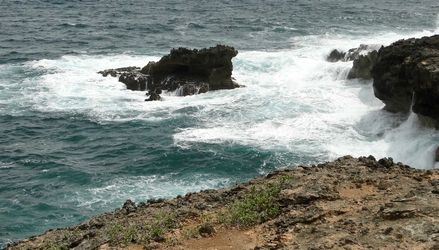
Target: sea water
[[74, 144]]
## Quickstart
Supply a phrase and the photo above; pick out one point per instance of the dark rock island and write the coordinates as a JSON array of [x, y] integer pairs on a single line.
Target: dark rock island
[[185, 71]]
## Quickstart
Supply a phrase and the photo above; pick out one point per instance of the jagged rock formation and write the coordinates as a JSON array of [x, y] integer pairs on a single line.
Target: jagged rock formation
[[336, 56], [362, 66], [211, 66], [128, 75], [351, 55], [406, 77], [188, 71], [363, 59]]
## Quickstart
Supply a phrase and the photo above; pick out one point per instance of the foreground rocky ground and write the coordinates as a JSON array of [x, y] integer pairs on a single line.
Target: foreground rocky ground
[[350, 203]]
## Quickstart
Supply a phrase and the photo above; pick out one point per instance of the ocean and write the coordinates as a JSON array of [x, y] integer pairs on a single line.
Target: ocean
[[74, 144]]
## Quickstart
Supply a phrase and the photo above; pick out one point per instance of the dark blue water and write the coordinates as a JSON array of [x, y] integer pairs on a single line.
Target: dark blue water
[[31, 30], [74, 144]]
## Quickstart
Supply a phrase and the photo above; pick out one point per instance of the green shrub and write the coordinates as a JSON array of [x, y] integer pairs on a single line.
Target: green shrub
[[255, 207], [122, 233], [54, 246], [191, 232]]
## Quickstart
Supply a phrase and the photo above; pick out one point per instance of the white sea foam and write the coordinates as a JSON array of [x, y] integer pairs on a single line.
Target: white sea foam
[[6, 165], [296, 101], [293, 101], [142, 188]]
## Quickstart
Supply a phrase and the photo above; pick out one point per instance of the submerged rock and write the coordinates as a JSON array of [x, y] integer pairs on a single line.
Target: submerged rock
[[406, 77], [184, 71]]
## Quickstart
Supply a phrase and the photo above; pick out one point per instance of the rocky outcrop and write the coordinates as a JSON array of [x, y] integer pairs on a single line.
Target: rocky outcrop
[[362, 66], [349, 203], [336, 56], [363, 59], [352, 54], [211, 66], [131, 76], [185, 71], [406, 77]]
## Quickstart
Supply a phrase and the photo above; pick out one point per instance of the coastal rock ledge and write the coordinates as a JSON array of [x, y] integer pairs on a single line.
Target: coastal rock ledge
[[183, 71], [349, 203], [406, 77]]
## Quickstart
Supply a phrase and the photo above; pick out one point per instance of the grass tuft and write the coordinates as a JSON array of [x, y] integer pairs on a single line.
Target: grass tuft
[[255, 207]]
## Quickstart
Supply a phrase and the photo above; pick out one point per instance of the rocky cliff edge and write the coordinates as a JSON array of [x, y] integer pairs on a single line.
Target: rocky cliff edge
[[349, 203]]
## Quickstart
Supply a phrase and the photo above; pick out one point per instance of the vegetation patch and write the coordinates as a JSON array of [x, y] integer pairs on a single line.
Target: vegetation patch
[[55, 246], [153, 230], [255, 207], [191, 232]]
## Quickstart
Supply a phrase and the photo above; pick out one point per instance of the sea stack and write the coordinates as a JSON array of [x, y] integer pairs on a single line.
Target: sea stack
[[188, 71]]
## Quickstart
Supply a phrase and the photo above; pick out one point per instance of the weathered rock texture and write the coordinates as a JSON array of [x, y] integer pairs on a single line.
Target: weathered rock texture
[[188, 71], [362, 66], [363, 59], [211, 66], [406, 77], [352, 54], [350, 203]]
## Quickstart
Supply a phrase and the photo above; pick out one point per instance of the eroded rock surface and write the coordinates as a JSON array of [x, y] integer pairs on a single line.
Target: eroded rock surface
[[212, 66], [363, 58], [184, 71], [349, 203], [406, 77]]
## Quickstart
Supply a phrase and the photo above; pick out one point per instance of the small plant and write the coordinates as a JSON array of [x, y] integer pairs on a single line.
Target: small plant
[[71, 232], [156, 230], [191, 232], [131, 235], [206, 218], [166, 220], [54, 246], [256, 206], [114, 233], [284, 179], [122, 233]]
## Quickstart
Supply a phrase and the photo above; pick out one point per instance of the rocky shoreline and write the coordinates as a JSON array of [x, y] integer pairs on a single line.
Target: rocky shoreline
[[349, 203], [405, 75]]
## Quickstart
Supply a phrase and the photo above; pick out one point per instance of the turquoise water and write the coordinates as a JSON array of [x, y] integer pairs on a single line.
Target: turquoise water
[[74, 144]]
